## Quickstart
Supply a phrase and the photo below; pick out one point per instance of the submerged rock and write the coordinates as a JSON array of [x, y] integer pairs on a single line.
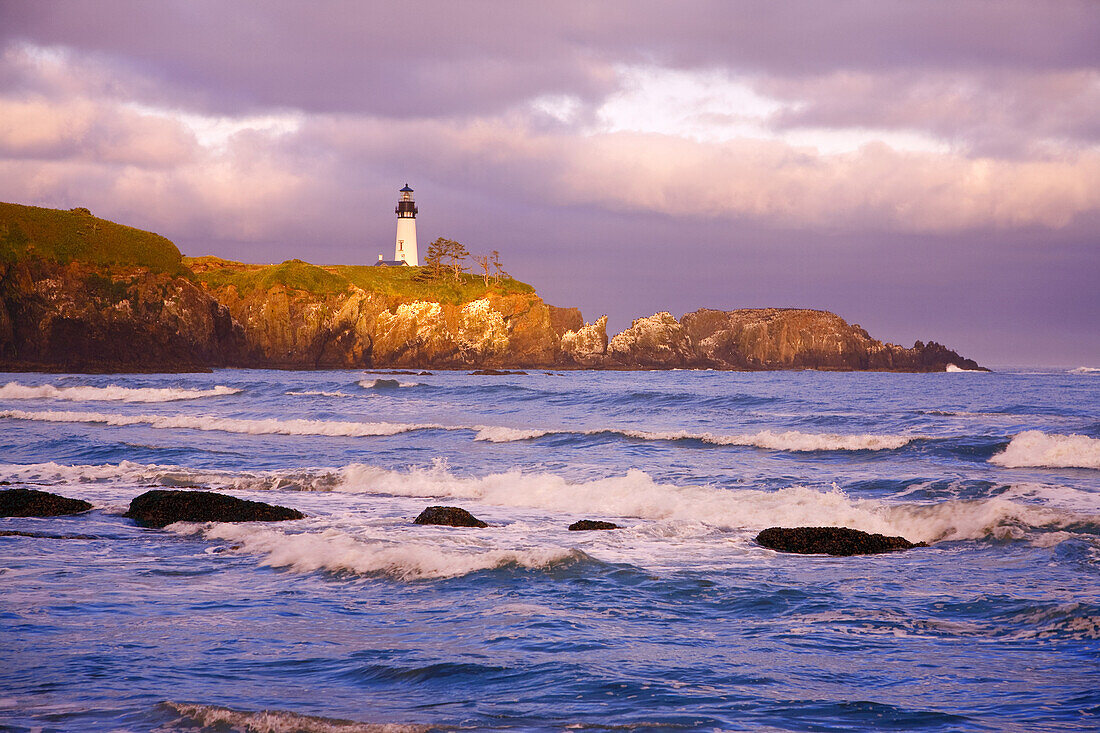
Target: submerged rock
[[449, 516], [33, 503], [161, 507], [831, 541], [585, 525]]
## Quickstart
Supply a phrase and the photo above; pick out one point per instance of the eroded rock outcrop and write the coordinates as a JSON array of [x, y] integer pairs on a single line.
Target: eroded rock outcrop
[[161, 507], [449, 516], [769, 338], [34, 503], [586, 346], [658, 342], [840, 541], [79, 317]]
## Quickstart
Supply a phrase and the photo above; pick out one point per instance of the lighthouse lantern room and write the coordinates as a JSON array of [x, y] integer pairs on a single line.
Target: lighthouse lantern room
[[405, 247]]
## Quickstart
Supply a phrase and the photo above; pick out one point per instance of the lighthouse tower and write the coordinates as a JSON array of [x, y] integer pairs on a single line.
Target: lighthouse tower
[[405, 247]]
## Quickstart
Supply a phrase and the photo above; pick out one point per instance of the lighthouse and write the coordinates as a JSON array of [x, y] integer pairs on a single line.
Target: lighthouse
[[405, 247]]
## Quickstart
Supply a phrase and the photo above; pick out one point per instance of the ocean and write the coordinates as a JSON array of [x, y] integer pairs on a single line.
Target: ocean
[[356, 619]]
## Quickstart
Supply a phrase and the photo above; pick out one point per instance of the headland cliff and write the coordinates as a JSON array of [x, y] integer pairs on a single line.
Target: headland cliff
[[83, 294]]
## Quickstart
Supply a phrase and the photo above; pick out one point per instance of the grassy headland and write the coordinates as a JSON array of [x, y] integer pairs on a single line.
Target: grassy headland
[[401, 283], [77, 236]]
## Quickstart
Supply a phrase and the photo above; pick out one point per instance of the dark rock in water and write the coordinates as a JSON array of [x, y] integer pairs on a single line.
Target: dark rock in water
[[161, 507], [587, 524], [386, 384], [493, 372], [32, 503], [450, 516], [831, 541], [46, 535]]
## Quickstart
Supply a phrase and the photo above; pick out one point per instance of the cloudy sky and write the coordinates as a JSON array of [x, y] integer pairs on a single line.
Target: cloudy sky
[[928, 170]]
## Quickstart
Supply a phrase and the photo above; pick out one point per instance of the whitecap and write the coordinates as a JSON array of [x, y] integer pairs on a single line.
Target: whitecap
[[1036, 449], [110, 393], [332, 550]]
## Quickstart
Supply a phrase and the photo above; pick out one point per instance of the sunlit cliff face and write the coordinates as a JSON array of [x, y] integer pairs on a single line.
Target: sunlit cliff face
[[288, 140]]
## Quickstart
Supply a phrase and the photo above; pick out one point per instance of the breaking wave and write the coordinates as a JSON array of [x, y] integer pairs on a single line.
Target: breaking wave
[[633, 495], [1085, 370], [226, 424], [956, 368], [316, 393], [791, 440], [334, 551], [1036, 449], [111, 393]]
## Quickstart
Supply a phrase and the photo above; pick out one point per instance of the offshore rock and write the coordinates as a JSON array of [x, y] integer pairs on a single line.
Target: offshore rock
[[34, 503], [448, 516], [831, 541], [161, 507], [586, 525], [587, 345], [799, 338], [656, 342], [767, 339]]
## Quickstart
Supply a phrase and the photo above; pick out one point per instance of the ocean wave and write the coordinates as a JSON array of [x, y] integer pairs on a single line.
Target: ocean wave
[[789, 440], [636, 494], [111, 393], [271, 426], [1085, 370], [316, 393], [275, 721], [958, 369], [1036, 449], [1013, 514], [385, 384], [334, 551]]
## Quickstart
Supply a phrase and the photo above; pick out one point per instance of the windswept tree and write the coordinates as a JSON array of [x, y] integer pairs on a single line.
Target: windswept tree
[[445, 255], [456, 253], [486, 265], [498, 269], [435, 257]]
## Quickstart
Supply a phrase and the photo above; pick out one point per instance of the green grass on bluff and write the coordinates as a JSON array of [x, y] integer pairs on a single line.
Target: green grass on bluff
[[401, 283], [76, 235]]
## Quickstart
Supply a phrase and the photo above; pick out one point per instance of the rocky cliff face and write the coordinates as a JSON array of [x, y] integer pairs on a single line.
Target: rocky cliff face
[[79, 293], [768, 338], [289, 328], [80, 317]]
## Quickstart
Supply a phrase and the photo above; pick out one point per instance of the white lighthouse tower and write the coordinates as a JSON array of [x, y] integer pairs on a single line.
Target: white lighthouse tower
[[405, 247]]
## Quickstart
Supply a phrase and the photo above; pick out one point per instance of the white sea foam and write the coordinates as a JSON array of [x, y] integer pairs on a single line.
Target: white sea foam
[[226, 424], [790, 440], [111, 393], [955, 368], [1085, 370], [636, 494], [279, 721], [669, 509], [1036, 449], [317, 393], [336, 551]]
